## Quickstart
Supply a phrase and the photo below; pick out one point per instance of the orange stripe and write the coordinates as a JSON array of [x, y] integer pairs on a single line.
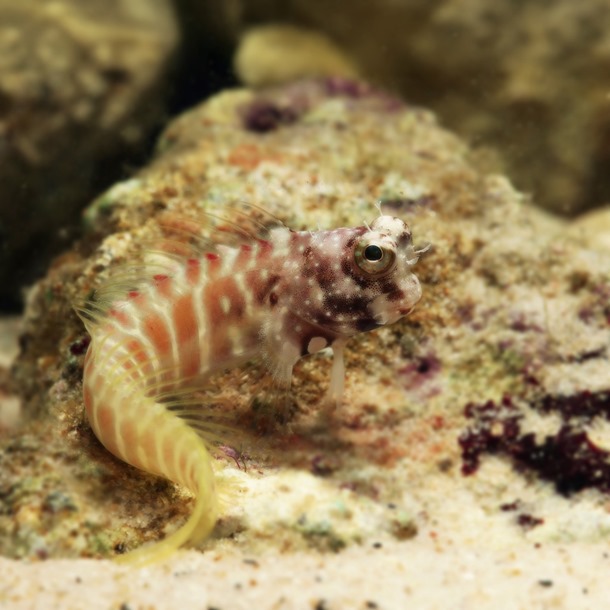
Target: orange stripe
[[138, 350], [132, 438], [121, 317], [98, 385], [140, 355], [218, 321], [185, 321], [187, 332], [244, 256], [265, 250], [193, 269], [105, 419], [163, 285], [155, 328], [213, 264], [88, 400]]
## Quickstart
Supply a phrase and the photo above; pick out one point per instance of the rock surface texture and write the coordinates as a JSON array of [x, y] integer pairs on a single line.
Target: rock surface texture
[[79, 86], [528, 79], [469, 464]]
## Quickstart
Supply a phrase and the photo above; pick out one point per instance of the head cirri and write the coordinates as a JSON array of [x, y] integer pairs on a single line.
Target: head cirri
[[352, 280]]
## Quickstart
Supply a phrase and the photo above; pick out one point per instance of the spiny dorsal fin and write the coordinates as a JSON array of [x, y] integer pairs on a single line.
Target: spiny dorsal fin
[[176, 237], [205, 228]]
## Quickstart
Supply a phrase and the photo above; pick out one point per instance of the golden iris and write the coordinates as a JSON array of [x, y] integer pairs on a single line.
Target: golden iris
[[374, 258]]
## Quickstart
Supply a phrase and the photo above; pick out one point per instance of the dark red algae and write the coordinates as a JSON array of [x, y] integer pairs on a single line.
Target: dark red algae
[[79, 347], [339, 85], [568, 458], [358, 90], [262, 116]]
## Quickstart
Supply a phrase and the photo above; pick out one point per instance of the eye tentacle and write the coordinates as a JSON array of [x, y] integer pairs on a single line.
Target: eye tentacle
[[423, 249]]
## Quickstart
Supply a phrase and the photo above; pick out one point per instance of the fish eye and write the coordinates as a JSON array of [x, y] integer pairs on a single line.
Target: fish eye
[[373, 253], [374, 258]]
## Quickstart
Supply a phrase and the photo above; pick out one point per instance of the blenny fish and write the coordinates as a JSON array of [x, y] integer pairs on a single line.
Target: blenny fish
[[279, 294]]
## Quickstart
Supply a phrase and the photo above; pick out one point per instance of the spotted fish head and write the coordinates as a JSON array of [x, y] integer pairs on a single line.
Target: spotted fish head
[[357, 279], [384, 256]]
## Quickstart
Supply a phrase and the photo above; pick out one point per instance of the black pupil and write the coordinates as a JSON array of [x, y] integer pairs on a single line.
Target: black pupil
[[373, 253]]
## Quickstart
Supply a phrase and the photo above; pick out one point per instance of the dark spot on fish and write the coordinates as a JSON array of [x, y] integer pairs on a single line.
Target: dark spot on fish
[[352, 240], [262, 290], [388, 286], [366, 324], [316, 265], [324, 274], [340, 304], [238, 308], [349, 271], [395, 295], [308, 263]]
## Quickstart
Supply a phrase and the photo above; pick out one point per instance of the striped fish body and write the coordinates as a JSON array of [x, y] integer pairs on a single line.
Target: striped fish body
[[282, 297]]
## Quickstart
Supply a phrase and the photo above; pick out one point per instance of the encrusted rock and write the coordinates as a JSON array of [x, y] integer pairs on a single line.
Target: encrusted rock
[[514, 326], [528, 79]]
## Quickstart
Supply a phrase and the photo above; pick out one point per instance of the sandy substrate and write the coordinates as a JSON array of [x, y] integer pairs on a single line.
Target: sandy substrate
[[404, 575]]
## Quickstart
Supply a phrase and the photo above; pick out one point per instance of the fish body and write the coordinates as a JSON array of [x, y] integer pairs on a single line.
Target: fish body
[[279, 296]]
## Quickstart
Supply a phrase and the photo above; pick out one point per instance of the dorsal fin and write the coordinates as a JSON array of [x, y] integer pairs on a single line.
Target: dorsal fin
[[176, 237], [212, 225]]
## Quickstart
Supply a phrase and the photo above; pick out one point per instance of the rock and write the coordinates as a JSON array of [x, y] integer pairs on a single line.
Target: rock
[[74, 106], [475, 428], [10, 405], [527, 80], [592, 229], [9, 331], [304, 53]]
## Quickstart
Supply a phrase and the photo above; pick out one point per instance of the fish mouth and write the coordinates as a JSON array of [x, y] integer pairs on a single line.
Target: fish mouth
[[384, 318]]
